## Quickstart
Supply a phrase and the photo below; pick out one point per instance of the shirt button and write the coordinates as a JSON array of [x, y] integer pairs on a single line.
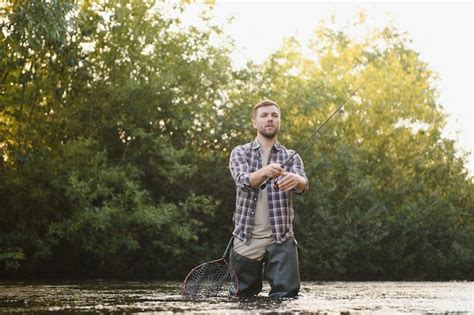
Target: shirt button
[[254, 199], [253, 212]]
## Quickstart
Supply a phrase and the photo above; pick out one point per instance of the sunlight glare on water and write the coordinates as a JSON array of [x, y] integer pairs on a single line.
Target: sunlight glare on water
[[316, 297]]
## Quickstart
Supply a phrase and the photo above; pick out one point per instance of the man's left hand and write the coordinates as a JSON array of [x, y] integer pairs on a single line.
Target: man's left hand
[[289, 181]]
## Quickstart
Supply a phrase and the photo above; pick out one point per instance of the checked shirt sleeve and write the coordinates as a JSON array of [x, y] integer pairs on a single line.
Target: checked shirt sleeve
[[240, 168], [297, 167]]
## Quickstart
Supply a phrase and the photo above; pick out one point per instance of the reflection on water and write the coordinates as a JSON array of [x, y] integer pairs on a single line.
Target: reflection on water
[[316, 297]]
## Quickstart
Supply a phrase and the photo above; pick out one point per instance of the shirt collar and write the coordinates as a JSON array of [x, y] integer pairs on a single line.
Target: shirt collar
[[256, 145]]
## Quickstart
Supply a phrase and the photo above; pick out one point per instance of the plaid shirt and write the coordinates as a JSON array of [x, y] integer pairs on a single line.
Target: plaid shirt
[[246, 159]]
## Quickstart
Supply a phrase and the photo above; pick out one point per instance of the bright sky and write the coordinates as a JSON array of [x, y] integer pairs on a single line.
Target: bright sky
[[441, 33]]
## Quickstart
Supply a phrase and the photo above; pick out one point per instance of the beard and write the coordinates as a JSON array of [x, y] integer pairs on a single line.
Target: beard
[[268, 133]]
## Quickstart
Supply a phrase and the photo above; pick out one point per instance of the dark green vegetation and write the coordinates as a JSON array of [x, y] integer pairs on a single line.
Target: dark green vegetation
[[116, 123]]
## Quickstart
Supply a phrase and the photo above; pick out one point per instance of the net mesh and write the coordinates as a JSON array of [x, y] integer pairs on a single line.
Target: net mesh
[[215, 278]]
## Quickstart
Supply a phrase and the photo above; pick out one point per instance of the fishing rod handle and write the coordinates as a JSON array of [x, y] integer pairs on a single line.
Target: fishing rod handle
[[267, 179], [264, 184]]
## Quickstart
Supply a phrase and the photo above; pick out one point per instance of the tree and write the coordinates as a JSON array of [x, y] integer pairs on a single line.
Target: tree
[[390, 199], [99, 136], [116, 123]]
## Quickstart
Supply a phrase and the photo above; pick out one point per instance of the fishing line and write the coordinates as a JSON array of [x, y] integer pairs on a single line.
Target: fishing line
[[316, 132]]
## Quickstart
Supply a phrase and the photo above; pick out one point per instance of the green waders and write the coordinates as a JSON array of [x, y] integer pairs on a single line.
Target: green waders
[[281, 271], [249, 273]]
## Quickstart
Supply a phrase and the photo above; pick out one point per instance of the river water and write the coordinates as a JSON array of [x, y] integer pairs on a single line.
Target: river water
[[164, 297]]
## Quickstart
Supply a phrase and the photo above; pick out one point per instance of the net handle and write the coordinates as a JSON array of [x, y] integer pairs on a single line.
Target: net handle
[[229, 246]]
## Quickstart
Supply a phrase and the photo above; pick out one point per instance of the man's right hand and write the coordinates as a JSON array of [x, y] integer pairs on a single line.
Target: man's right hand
[[270, 171], [273, 170]]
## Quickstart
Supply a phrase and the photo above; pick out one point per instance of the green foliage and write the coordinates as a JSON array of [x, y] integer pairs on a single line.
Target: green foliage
[[390, 198], [12, 257], [99, 107], [116, 122]]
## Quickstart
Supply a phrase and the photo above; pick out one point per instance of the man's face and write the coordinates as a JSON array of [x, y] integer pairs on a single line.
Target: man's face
[[267, 121]]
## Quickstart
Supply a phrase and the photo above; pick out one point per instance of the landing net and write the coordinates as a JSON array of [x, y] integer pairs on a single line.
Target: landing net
[[215, 278]]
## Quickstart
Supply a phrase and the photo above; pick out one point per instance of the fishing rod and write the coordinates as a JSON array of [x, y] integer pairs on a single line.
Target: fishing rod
[[316, 132]]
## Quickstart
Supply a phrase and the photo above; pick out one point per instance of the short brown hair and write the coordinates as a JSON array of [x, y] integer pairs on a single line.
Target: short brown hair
[[262, 104]]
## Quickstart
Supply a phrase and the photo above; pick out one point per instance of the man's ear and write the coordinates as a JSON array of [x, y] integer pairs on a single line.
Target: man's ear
[[253, 123]]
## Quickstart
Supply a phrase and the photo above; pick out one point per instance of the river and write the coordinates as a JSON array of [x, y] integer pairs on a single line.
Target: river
[[164, 297]]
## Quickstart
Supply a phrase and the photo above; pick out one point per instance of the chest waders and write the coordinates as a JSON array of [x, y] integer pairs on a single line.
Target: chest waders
[[279, 266]]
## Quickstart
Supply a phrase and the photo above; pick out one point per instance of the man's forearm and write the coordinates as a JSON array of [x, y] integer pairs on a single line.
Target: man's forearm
[[272, 170], [257, 177]]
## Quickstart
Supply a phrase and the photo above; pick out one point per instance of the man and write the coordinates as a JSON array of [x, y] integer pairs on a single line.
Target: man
[[263, 217]]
